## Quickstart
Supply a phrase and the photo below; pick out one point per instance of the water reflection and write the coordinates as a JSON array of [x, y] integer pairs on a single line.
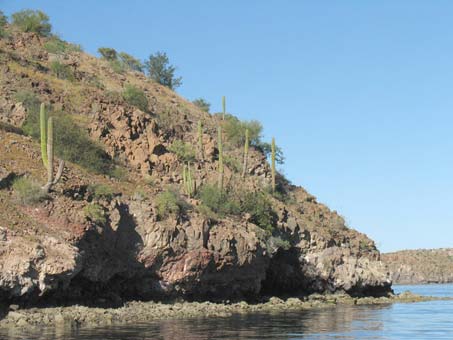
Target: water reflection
[[256, 326]]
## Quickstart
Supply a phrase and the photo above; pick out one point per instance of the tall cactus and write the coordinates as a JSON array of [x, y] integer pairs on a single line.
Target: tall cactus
[[200, 140], [189, 183], [43, 128], [220, 147], [223, 107], [273, 164], [246, 153], [47, 151]]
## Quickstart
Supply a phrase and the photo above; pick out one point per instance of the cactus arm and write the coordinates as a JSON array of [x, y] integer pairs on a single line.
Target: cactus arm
[[200, 140], [51, 180], [50, 150], [43, 130], [223, 107], [220, 147], [246, 153], [273, 164]]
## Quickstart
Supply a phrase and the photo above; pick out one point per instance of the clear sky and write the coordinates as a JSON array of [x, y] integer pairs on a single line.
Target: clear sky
[[359, 94]]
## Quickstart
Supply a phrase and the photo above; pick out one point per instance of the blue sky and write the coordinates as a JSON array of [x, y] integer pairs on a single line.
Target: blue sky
[[357, 93]]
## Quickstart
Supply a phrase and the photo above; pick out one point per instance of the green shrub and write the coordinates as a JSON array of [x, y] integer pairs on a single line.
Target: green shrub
[[3, 22], [136, 97], [57, 46], [219, 202], [260, 209], [118, 172], [108, 53], [130, 62], [117, 66], [232, 163], [170, 203], [28, 99], [72, 143], [184, 151], [100, 191], [161, 71], [274, 243], [95, 213], [202, 104], [28, 191], [234, 130], [32, 21], [61, 71]]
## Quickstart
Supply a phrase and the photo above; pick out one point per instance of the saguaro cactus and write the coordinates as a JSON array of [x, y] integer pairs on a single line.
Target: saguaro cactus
[[189, 184], [220, 147], [200, 140], [273, 164], [47, 152], [246, 153], [43, 129], [223, 107]]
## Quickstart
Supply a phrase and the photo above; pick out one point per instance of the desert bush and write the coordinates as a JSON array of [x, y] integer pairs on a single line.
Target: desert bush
[[95, 213], [32, 21], [57, 46], [3, 22], [100, 191], [260, 209], [61, 71], [170, 203], [234, 130], [28, 191], [161, 71], [130, 62], [28, 99], [117, 66], [108, 53], [136, 97], [184, 151], [273, 243], [202, 104], [232, 163], [218, 202]]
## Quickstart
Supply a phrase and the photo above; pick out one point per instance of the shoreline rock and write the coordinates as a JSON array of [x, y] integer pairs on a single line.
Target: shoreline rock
[[138, 312]]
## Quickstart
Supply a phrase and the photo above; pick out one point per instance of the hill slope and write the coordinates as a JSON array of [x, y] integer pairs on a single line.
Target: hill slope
[[420, 266], [124, 248]]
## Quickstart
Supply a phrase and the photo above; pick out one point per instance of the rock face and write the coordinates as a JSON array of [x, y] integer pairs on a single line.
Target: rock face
[[53, 252], [420, 266]]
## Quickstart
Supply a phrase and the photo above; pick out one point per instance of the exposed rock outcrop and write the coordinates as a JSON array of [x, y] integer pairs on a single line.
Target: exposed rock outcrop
[[53, 252], [420, 266]]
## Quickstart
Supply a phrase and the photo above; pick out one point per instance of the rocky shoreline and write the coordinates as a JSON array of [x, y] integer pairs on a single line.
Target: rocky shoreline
[[139, 312]]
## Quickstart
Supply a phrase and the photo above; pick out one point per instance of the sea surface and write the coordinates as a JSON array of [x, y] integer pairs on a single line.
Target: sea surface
[[422, 320]]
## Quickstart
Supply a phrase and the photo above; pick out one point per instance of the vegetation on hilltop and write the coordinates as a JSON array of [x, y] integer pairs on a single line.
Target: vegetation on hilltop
[[235, 138]]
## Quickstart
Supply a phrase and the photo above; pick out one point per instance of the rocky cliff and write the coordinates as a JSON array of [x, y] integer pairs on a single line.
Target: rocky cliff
[[420, 266], [54, 251]]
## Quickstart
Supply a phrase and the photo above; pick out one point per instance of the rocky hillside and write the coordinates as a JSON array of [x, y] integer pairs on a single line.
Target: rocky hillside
[[119, 224], [420, 266]]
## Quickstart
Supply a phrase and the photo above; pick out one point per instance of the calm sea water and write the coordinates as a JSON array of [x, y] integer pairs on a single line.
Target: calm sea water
[[424, 320]]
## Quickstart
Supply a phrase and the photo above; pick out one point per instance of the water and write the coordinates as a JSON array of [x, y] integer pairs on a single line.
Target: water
[[423, 320]]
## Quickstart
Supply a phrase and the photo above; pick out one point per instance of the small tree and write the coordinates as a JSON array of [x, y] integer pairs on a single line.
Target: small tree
[[161, 71], [131, 62], [32, 21], [108, 53], [202, 104]]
